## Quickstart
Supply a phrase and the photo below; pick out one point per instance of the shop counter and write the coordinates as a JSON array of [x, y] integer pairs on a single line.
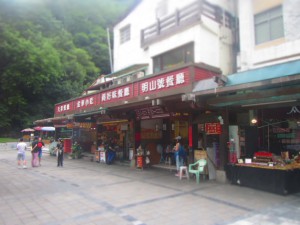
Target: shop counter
[[275, 180]]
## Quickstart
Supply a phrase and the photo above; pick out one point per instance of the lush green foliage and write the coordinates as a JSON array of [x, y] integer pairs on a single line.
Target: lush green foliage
[[5, 140], [50, 50]]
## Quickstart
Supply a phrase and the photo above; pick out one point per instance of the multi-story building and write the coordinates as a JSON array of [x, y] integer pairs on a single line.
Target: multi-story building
[[192, 69], [164, 52], [262, 98], [266, 85]]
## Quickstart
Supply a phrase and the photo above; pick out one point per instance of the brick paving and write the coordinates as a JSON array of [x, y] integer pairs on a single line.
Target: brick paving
[[84, 192]]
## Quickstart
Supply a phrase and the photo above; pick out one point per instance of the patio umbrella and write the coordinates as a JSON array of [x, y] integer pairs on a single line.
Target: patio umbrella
[[27, 130], [37, 128], [48, 128]]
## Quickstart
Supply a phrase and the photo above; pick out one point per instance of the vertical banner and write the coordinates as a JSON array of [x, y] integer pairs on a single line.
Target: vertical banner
[[190, 136]]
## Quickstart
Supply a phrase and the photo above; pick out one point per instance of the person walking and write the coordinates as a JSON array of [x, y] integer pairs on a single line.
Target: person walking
[[111, 151], [34, 152], [60, 153], [21, 146], [177, 155], [40, 145]]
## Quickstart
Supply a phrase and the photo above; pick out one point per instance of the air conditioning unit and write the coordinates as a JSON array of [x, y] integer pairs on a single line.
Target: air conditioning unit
[[128, 78], [115, 82], [119, 81], [140, 74], [191, 97]]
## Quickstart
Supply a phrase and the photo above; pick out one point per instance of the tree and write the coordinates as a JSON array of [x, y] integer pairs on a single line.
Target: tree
[[50, 51]]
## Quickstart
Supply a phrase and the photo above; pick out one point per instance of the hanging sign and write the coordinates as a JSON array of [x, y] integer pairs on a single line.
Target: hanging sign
[[213, 128]]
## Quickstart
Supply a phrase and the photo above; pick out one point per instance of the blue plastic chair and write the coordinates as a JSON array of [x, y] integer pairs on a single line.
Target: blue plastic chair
[[197, 168]]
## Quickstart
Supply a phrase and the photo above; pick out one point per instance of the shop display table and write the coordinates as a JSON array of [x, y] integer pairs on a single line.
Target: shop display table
[[285, 180]]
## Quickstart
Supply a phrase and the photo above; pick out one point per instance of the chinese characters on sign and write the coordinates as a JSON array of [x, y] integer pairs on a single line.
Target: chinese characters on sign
[[151, 112], [115, 94], [63, 108], [85, 102], [162, 82], [213, 128]]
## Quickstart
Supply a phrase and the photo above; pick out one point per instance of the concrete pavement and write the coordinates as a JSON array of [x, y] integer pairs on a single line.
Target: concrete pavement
[[84, 192]]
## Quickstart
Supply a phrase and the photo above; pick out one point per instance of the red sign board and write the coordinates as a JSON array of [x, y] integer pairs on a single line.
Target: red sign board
[[64, 107], [85, 102], [164, 82], [213, 128], [116, 94]]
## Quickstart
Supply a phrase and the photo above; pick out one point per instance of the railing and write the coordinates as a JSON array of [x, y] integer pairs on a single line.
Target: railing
[[183, 17]]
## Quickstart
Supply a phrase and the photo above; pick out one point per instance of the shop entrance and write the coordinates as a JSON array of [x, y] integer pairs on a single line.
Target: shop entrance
[[120, 133]]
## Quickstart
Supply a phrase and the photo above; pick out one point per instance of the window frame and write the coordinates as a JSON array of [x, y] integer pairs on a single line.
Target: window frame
[[125, 34], [267, 21], [159, 60]]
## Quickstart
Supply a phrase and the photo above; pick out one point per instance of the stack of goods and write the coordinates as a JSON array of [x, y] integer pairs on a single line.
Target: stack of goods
[[263, 158]]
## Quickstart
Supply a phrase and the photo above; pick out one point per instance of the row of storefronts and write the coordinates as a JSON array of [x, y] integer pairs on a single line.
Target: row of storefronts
[[246, 120], [152, 111]]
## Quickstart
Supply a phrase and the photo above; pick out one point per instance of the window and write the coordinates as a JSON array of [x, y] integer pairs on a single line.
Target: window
[[125, 34], [268, 25], [173, 58]]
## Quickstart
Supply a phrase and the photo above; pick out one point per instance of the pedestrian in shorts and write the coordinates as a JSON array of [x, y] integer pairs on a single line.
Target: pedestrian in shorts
[[21, 146]]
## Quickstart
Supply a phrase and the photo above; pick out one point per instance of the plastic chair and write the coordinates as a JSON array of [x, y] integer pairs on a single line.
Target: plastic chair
[[183, 172], [197, 168]]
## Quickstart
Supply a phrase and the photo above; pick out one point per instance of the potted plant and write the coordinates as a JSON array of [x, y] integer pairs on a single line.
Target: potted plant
[[76, 151]]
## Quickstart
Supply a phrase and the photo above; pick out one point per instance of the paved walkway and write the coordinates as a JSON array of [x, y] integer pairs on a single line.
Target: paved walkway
[[84, 192]]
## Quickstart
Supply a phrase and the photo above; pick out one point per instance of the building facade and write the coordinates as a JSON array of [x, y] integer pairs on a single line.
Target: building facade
[[202, 70]]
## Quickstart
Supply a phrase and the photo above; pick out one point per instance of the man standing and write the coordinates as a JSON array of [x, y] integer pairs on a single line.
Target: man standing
[[21, 146], [60, 153], [111, 151], [34, 152], [40, 145]]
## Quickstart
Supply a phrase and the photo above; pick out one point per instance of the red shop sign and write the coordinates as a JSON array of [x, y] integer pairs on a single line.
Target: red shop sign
[[213, 128]]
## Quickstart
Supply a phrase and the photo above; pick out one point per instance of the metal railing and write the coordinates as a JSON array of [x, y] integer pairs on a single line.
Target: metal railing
[[184, 17]]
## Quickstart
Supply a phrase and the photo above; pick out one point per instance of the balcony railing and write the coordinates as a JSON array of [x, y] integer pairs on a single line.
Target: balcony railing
[[184, 17]]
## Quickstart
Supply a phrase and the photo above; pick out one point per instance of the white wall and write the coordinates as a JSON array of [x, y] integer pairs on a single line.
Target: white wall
[[206, 37], [277, 51]]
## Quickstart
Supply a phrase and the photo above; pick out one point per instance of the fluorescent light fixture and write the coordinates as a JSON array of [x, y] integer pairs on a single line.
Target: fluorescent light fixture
[[269, 103]]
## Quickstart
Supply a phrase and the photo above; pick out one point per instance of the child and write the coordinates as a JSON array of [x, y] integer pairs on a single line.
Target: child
[[21, 146]]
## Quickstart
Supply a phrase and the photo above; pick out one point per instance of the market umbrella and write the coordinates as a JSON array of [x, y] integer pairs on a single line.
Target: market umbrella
[[27, 130], [48, 128], [37, 128]]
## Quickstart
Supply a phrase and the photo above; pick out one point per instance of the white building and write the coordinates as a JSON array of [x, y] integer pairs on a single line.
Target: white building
[[155, 31], [269, 32]]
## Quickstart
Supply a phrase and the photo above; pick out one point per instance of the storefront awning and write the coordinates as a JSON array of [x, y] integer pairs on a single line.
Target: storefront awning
[[206, 84], [265, 73], [43, 121], [279, 95], [53, 120], [90, 113], [279, 74], [113, 121]]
